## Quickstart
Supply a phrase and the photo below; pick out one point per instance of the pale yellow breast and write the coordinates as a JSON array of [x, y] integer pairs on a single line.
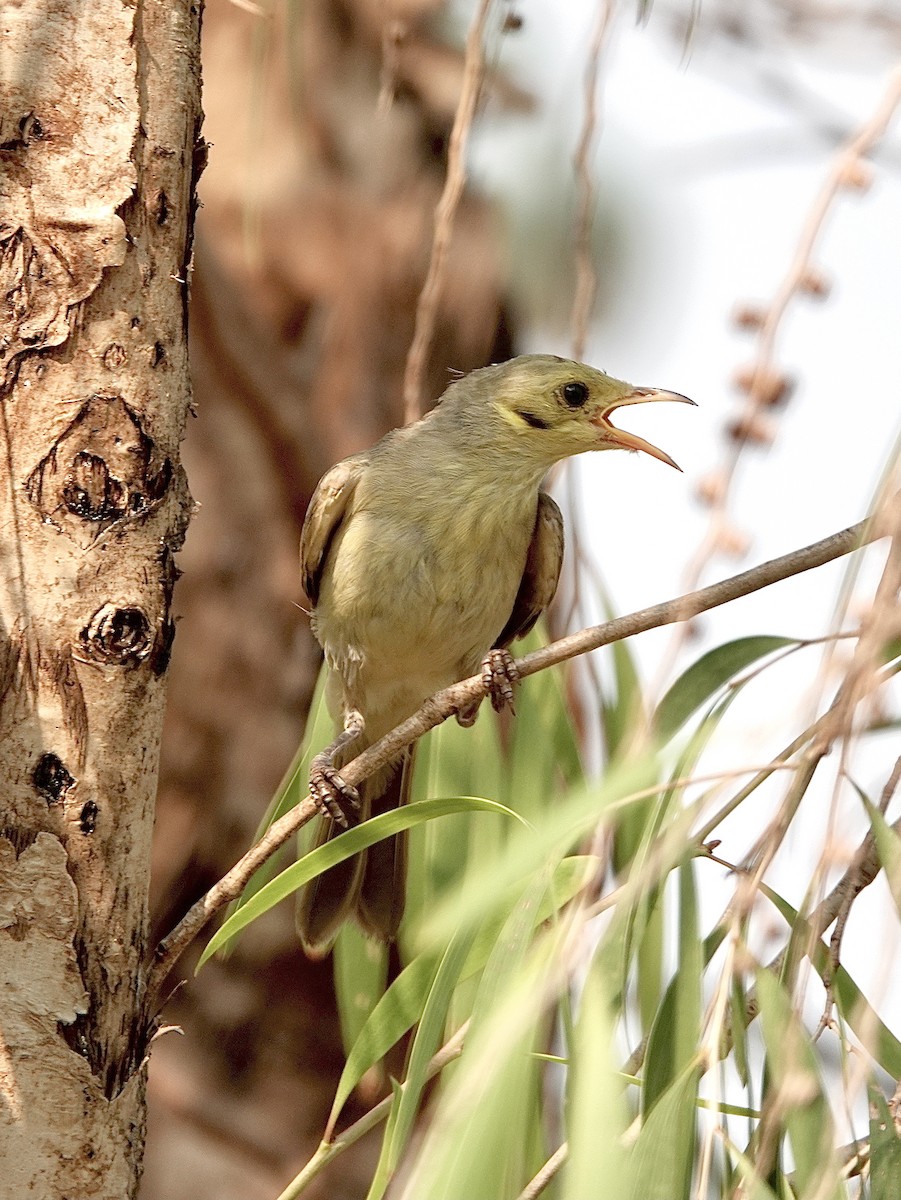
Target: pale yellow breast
[[417, 588]]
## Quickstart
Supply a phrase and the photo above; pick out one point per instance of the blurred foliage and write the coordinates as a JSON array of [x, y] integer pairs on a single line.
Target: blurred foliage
[[533, 948]]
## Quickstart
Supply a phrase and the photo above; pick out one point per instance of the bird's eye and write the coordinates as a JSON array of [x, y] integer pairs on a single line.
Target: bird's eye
[[575, 394]]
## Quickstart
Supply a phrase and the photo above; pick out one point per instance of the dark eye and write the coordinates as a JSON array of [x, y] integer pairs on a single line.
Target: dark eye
[[575, 394]]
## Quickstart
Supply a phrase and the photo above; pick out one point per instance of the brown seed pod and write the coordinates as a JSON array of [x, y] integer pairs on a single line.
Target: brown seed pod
[[748, 316], [711, 489], [733, 542], [751, 427], [814, 283], [856, 173], [769, 388]]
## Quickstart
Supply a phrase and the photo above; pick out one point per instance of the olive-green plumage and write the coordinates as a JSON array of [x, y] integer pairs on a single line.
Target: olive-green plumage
[[422, 554]]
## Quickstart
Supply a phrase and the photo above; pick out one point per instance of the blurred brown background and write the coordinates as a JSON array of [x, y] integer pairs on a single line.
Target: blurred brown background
[[329, 131]]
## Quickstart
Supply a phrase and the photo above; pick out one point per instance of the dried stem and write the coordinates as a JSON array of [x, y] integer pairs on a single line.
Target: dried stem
[[454, 183], [539, 1182], [451, 1050], [586, 275], [864, 868]]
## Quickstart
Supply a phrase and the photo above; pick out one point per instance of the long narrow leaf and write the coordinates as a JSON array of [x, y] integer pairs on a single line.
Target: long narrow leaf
[[351, 842], [662, 1158], [798, 1091], [674, 1037], [361, 971], [711, 672], [596, 1112], [428, 1037], [856, 1009], [885, 1149]]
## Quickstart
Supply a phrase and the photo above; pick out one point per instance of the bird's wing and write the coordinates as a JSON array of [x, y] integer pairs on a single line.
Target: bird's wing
[[539, 580], [327, 509]]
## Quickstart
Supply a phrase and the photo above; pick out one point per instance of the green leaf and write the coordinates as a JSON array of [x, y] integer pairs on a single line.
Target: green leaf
[[853, 1004], [755, 1188], [425, 1043], [797, 1091], [317, 733], [292, 788], [649, 979], [674, 1037], [483, 1137], [885, 1149], [396, 1011], [888, 843], [596, 1117], [711, 672], [738, 1023], [361, 971], [647, 921], [351, 842], [624, 714], [543, 747], [663, 1156], [382, 1176]]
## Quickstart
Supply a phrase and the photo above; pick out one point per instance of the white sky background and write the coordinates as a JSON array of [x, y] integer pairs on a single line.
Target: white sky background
[[706, 178]]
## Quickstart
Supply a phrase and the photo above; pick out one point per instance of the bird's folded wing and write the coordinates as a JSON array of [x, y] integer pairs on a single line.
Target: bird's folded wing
[[541, 574], [328, 508]]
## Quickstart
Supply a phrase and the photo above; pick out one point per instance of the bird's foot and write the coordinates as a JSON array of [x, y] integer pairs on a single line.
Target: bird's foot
[[334, 797], [499, 673]]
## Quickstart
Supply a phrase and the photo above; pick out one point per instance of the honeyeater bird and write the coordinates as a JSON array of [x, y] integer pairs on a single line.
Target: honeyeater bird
[[424, 558]]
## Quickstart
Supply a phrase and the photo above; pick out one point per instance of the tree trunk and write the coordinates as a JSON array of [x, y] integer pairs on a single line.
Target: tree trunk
[[99, 154]]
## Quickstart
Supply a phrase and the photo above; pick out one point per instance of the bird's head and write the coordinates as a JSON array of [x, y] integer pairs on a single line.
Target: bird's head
[[555, 407]]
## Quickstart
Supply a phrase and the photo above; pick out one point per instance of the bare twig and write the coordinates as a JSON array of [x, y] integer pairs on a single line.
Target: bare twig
[[451, 1050], [586, 275], [454, 183], [864, 868], [540, 1181], [586, 282], [461, 695]]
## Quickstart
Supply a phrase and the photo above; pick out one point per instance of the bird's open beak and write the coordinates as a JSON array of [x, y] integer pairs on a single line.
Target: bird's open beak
[[631, 441]]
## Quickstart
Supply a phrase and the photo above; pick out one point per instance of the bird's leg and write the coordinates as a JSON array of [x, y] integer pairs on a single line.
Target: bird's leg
[[499, 674], [334, 797]]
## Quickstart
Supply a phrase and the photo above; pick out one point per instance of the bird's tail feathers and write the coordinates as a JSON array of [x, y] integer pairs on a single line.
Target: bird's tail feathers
[[370, 887]]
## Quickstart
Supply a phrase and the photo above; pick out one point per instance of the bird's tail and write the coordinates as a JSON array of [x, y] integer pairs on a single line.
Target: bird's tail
[[370, 887]]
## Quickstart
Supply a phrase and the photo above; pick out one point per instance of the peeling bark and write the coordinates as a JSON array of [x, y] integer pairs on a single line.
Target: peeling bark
[[99, 153]]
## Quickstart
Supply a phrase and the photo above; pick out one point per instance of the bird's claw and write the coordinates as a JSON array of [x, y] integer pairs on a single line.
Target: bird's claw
[[334, 797], [499, 673]]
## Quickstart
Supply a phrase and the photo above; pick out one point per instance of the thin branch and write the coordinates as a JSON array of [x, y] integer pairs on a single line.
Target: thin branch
[[865, 866], [454, 183], [539, 1182], [461, 695], [586, 275], [451, 1050]]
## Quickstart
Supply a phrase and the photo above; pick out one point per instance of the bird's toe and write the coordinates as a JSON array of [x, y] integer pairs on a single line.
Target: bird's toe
[[499, 673], [335, 798]]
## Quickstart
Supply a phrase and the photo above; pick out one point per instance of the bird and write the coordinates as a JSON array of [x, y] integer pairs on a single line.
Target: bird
[[423, 559]]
